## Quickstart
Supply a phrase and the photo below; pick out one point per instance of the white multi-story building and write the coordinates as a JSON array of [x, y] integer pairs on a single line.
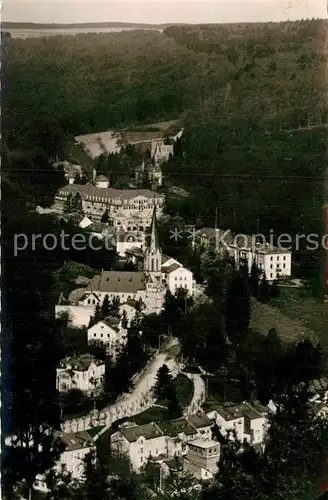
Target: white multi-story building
[[77, 446], [249, 421], [84, 372], [159, 440], [131, 209], [139, 443], [176, 276], [274, 262], [110, 333]]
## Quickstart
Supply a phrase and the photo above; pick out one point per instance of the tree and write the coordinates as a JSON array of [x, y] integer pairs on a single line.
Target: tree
[[274, 290], [173, 406], [98, 313], [254, 279], [181, 485], [68, 204], [216, 350], [105, 307], [105, 217], [124, 320], [31, 452], [237, 310], [163, 383], [264, 290], [114, 307], [76, 204]]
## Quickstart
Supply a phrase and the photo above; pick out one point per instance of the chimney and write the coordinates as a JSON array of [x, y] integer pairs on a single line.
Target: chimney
[[94, 175], [71, 179]]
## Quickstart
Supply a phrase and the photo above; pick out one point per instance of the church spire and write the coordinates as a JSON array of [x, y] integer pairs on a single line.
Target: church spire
[[154, 243]]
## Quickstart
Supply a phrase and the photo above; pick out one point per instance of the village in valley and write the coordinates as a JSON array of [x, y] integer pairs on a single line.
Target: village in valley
[[162, 341], [106, 307]]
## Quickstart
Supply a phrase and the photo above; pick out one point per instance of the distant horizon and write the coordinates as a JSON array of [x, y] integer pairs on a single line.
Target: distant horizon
[[159, 12], [151, 24]]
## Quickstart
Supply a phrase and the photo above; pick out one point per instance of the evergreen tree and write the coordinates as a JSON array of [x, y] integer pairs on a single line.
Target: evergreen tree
[[173, 405], [105, 308], [254, 279], [163, 384], [105, 217], [114, 307], [98, 314], [68, 204], [216, 351], [76, 204], [140, 306], [237, 310], [124, 320]]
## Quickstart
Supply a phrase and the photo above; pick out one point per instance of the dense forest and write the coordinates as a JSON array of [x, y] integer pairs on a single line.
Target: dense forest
[[252, 99]]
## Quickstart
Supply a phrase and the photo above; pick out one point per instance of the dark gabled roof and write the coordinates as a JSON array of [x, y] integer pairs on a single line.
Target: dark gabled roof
[[80, 363], [182, 425], [87, 295], [148, 431], [174, 463], [171, 268], [199, 420], [118, 282], [257, 406], [75, 441], [134, 251], [235, 411], [165, 258], [112, 323]]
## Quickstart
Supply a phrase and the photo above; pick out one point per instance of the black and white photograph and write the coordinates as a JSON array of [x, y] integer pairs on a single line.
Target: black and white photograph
[[164, 234]]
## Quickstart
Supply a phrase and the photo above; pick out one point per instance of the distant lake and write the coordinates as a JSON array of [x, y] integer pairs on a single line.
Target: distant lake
[[37, 33]]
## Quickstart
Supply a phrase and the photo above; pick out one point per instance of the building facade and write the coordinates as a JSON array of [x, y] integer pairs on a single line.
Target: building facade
[[131, 209], [275, 263], [84, 373], [108, 332], [249, 421], [77, 446], [202, 459], [159, 440]]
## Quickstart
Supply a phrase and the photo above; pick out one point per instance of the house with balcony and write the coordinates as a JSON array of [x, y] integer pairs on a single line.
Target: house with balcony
[[84, 373]]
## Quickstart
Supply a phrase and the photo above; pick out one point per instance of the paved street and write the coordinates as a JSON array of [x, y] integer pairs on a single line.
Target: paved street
[[199, 392]]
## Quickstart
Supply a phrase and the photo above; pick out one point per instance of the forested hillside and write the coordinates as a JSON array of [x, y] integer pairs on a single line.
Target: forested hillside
[[249, 96]]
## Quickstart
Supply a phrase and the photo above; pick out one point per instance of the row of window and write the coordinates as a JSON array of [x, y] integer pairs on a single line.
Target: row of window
[[284, 257], [181, 278], [176, 286], [278, 266]]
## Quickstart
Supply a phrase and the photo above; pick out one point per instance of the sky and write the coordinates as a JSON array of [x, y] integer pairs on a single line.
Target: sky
[[157, 12]]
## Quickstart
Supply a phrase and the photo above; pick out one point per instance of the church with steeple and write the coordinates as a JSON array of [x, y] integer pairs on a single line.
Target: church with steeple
[[156, 274], [153, 252]]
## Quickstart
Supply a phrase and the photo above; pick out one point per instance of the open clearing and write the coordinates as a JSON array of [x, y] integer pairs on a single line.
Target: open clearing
[[295, 315]]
